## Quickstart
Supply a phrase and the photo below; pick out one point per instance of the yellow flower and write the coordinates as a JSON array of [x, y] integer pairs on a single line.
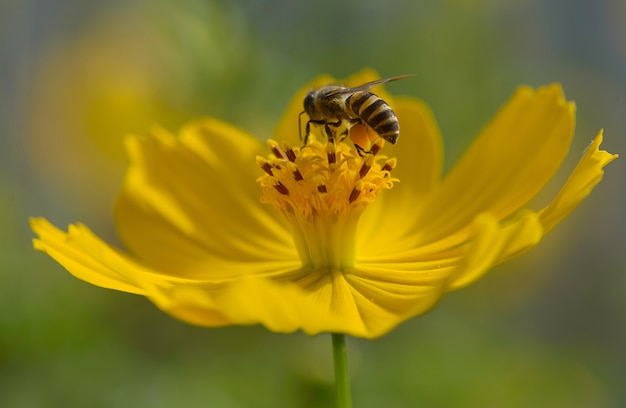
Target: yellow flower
[[340, 243]]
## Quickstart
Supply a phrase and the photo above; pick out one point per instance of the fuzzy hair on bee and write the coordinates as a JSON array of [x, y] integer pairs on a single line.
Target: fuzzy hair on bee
[[335, 105]]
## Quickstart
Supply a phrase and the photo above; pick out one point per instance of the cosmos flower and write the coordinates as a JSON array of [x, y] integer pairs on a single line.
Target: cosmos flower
[[222, 230]]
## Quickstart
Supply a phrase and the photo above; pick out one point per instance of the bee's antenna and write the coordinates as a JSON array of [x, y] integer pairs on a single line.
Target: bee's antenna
[[300, 125]]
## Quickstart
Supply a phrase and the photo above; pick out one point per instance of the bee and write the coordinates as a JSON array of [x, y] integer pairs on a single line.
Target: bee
[[334, 105]]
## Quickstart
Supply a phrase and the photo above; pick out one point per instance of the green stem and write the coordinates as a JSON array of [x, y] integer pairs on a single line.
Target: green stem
[[342, 382]]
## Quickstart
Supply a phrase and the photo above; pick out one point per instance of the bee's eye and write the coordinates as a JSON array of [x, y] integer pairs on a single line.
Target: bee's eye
[[308, 103]]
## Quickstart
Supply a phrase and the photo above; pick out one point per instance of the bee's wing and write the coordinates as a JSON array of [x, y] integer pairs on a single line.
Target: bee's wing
[[368, 85]]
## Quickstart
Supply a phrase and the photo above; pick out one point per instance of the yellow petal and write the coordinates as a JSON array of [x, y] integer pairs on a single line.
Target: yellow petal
[[350, 302], [388, 294], [282, 308], [419, 150], [191, 205], [490, 242], [583, 179], [86, 257], [514, 157], [389, 222], [493, 244], [585, 176]]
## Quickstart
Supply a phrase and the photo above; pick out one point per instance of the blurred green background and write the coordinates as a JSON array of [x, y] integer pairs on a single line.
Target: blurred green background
[[547, 329]]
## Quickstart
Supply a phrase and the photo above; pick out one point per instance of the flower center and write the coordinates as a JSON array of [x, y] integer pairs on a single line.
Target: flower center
[[322, 189]]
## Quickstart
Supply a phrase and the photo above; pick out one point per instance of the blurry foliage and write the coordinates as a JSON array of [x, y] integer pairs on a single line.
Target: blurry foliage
[[546, 330]]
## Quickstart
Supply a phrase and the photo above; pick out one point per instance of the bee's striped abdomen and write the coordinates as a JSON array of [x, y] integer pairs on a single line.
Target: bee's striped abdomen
[[375, 112]]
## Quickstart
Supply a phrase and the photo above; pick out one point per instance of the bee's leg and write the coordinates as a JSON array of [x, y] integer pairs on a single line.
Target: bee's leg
[[343, 135], [307, 129], [330, 132], [361, 151]]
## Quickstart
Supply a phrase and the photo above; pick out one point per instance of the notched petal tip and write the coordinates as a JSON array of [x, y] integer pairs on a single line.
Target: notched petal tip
[[41, 227], [552, 91], [586, 175], [551, 94], [602, 156], [510, 162], [86, 257]]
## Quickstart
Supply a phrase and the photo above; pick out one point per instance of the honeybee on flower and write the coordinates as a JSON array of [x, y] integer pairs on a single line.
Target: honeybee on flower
[[337, 105]]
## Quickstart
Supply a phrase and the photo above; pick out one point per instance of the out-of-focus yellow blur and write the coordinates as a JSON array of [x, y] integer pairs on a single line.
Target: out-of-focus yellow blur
[[546, 329]]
